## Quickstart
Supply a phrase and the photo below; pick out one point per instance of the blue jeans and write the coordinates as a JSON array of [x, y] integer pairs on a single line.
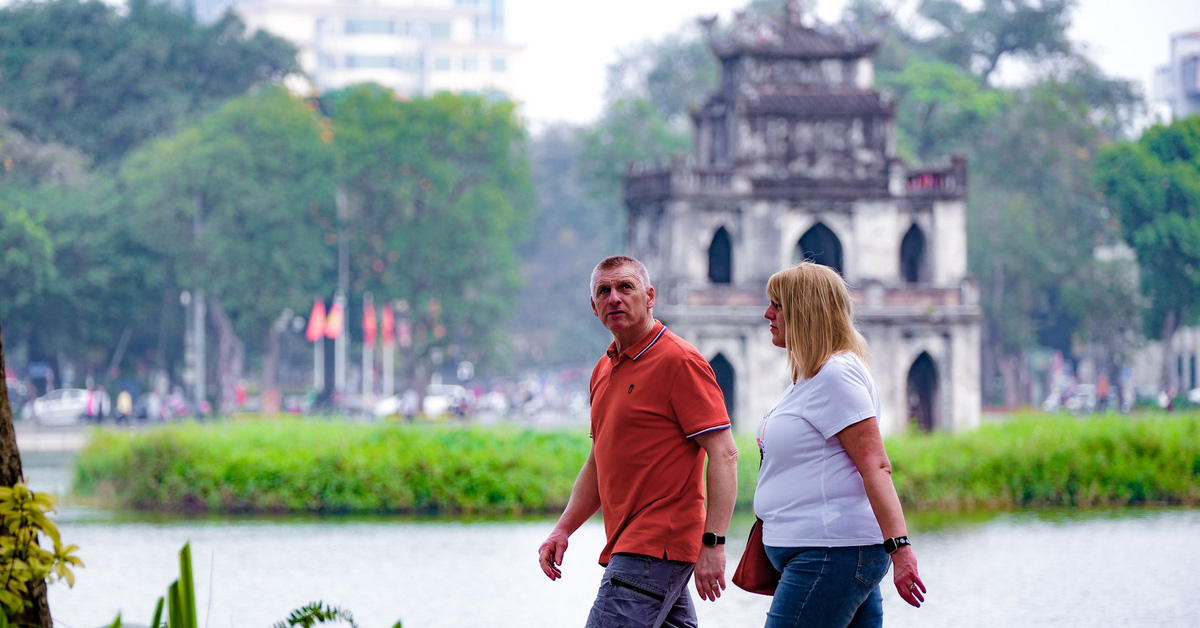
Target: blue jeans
[[828, 587], [643, 592]]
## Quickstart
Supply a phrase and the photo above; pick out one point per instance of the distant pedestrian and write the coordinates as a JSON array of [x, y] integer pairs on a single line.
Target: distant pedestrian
[[124, 405]]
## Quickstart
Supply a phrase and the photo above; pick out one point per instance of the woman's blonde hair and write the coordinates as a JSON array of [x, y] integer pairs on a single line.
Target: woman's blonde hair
[[818, 317]]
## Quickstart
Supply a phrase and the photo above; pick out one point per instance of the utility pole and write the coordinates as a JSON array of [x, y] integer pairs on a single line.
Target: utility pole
[[341, 344], [196, 311]]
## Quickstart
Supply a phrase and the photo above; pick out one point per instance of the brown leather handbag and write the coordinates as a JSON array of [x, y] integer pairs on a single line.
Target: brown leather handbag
[[755, 573]]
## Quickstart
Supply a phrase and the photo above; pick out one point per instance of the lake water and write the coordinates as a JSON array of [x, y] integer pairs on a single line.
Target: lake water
[[1130, 567]]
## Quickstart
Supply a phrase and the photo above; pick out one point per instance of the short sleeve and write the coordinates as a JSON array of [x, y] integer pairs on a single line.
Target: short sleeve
[[696, 398], [840, 396]]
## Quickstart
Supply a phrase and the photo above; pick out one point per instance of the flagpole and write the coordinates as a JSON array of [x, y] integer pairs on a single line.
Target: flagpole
[[316, 335], [368, 357], [388, 348]]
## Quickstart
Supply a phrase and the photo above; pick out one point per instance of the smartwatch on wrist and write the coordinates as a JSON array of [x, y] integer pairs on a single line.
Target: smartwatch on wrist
[[712, 540], [891, 545]]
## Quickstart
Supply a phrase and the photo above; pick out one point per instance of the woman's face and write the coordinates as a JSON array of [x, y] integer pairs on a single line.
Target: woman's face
[[775, 315]]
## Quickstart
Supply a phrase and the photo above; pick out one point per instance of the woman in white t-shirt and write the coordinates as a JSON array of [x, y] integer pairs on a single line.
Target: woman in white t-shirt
[[832, 523]]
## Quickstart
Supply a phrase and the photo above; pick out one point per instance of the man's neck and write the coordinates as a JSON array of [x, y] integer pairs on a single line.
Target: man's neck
[[630, 337]]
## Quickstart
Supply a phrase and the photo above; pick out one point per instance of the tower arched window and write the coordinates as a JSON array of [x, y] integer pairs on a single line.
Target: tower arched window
[[913, 267], [923, 393], [720, 258], [819, 244], [726, 379]]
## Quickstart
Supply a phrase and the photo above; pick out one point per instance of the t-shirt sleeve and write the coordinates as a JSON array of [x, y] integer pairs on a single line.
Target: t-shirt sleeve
[[840, 397], [697, 399]]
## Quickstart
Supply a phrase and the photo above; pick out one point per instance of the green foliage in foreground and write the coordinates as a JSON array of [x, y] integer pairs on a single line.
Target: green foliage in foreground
[[297, 466], [1039, 460], [1031, 460], [23, 559], [181, 605]]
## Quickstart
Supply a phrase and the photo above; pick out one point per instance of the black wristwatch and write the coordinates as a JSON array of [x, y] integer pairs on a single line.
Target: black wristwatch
[[712, 540], [891, 545]]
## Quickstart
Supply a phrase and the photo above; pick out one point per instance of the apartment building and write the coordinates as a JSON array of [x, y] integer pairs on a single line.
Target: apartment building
[[414, 47]]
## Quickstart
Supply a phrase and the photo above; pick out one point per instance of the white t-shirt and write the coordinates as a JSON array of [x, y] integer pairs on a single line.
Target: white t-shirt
[[809, 492]]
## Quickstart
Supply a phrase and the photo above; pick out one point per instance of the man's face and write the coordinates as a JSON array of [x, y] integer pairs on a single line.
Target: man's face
[[620, 300]]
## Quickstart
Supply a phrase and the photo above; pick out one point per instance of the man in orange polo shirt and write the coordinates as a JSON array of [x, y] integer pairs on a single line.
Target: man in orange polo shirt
[[656, 412]]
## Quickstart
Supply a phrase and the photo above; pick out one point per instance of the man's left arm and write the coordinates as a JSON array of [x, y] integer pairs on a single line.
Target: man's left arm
[[721, 482]]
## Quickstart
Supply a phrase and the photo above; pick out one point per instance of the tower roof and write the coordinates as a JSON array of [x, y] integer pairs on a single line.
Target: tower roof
[[788, 38]]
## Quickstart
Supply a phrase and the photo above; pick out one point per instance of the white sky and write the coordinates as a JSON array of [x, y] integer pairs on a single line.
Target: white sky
[[568, 44]]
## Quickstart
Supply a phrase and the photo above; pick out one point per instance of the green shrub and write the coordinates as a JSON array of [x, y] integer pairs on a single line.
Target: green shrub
[[1040, 460], [331, 467], [1029, 460]]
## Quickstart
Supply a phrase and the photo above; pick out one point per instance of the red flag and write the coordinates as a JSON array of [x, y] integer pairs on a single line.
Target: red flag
[[316, 322], [369, 324], [388, 326], [333, 323]]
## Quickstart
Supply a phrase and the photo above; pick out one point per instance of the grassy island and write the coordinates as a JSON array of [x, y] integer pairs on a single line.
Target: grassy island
[[293, 465]]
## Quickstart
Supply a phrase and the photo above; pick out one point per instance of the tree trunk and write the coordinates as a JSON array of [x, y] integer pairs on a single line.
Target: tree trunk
[[231, 356], [1170, 326], [10, 474], [1011, 376]]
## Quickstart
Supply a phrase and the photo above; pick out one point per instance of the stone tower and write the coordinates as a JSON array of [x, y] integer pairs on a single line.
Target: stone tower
[[794, 158]]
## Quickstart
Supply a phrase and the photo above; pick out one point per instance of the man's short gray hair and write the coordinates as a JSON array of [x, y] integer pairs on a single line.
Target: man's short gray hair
[[616, 261]]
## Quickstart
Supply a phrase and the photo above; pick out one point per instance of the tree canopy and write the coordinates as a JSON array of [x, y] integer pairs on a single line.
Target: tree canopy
[[239, 205], [1153, 186], [438, 194], [86, 75]]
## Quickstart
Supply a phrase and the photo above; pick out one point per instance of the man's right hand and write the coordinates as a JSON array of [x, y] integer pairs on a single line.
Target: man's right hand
[[550, 554]]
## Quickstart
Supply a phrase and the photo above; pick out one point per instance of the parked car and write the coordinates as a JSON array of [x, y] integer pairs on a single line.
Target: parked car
[[445, 398], [65, 406], [440, 399]]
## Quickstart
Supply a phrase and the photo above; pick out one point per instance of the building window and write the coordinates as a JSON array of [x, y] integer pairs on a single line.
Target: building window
[[822, 246], [912, 256], [441, 64], [720, 258], [439, 30], [370, 61], [370, 27], [409, 63], [470, 63], [499, 65], [727, 380]]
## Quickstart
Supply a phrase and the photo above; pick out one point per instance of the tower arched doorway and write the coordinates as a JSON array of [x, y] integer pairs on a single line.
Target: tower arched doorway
[[726, 379], [912, 256], [720, 258], [819, 244], [922, 393]]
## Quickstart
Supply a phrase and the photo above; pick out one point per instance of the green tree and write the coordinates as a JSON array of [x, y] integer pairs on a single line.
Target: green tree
[[80, 268], [1153, 185], [438, 194], [1031, 148], [28, 261], [977, 40], [103, 80], [239, 206], [1031, 186], [571, 233], [942, 107]]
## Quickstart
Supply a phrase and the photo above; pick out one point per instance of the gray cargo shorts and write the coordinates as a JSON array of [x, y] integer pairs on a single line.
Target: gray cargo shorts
[[644, 592]]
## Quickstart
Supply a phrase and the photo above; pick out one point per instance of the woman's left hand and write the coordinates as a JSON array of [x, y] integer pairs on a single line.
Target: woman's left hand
[[904, 573]]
